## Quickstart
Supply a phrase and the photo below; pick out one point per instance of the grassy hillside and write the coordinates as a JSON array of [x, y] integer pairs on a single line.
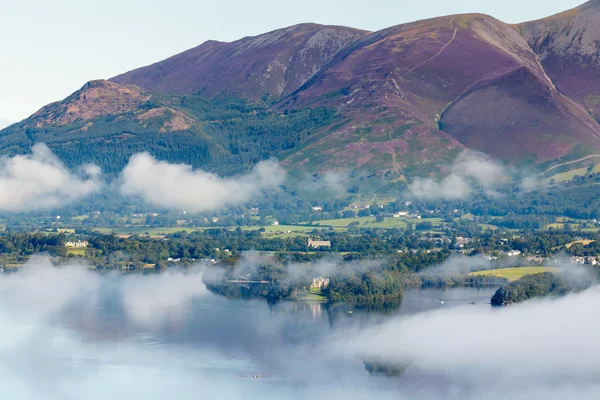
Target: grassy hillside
[[513, 274]]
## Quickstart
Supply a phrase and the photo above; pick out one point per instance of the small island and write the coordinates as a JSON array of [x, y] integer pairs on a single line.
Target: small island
[[531, 286]]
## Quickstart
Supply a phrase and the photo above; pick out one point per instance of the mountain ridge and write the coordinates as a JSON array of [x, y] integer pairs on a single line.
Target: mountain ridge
[[282, 58]]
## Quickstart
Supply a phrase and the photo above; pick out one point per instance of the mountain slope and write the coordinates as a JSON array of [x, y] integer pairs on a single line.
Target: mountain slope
[[276, 63], [568, 45], [105, 123], [398, 87]]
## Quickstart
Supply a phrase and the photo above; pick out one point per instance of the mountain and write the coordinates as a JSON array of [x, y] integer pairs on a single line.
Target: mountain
[[397, 103]]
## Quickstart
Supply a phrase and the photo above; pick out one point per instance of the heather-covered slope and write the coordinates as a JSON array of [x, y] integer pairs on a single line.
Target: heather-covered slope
[[275, 63], [470, 75], [568, 45]]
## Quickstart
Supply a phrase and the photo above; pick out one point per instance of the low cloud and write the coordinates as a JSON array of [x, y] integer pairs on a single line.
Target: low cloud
[[330, 183], [460, 265], [39, 181], [471, 171], [540, 340], [293, 272], [153, 299], [532, 182], [178, 186], [42, 290], [468, 171]]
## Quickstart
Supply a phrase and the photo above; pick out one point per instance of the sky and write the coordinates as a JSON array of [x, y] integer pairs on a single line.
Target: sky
[[49, 49]]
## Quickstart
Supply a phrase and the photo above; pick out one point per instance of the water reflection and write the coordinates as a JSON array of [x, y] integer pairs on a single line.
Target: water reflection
[[219, 322], [204, 344]]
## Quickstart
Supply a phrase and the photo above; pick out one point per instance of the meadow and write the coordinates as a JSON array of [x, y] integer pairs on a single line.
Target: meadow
[[570, 175], [513, 274], [314, 294]]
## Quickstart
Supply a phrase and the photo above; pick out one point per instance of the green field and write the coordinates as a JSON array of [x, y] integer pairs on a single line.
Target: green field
[[76, 252], [371, 222], [569, 175], [486, 227], [278, 230], [560, 225], [283, 231], [144, 231], [314, 294], [363, 222], [583, 242], [513, 274]]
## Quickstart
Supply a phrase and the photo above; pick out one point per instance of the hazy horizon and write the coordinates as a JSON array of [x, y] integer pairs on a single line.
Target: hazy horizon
[[52, 49]]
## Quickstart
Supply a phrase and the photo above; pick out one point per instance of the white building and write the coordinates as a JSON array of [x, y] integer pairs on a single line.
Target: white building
[[77, 245], [318, 243], [319, 283]]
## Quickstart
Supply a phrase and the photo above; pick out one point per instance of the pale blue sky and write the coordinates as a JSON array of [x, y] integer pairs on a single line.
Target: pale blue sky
[[50, 48]]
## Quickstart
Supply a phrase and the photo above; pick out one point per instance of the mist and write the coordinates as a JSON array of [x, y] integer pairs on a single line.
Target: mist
[[40, 181], [328, 184], [472, 171], [41, 289], [541, 345], [295, 272], [179, 187]]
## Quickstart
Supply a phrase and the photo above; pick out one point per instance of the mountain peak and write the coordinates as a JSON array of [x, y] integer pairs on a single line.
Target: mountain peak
[[95, 98], [590, 4]]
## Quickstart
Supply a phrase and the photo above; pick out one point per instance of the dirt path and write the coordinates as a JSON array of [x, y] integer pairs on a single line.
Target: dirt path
[[569, 162], [436, 54]]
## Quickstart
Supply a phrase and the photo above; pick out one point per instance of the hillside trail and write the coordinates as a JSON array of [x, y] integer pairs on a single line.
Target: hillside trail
[[569, 162], [436, 54]]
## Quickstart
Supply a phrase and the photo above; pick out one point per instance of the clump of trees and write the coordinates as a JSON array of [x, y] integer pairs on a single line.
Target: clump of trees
[[530, 287]]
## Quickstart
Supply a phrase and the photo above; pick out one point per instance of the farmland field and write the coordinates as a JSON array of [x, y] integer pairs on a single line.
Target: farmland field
[[314, 295], [583, 242], [144, 231], [76, 252], [513, 274], [569, 175], [282, 231], [370, 222]]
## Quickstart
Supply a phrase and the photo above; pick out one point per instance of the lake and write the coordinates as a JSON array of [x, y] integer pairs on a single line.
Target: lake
[[116, 345]]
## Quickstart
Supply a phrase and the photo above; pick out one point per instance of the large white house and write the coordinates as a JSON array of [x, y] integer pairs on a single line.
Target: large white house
[[77, 245]]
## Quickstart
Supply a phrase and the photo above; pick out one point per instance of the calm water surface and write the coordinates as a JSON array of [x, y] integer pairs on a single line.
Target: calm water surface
[[212, 347]]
